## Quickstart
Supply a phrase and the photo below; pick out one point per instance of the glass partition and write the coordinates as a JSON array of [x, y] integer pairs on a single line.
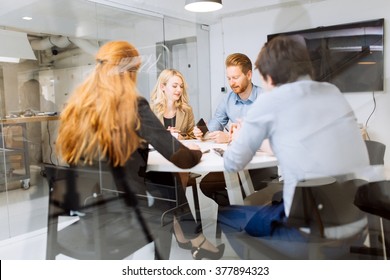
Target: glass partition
[[186, 48], [64, 36]]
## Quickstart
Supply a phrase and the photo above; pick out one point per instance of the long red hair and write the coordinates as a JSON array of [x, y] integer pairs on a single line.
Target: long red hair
[[101, 117]]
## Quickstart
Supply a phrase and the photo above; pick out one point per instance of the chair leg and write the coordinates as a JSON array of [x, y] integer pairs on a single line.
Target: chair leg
[[218, 231], [162, 244], [374, 225], [51, 241], [385, 238], [379, 242], [196, 202]]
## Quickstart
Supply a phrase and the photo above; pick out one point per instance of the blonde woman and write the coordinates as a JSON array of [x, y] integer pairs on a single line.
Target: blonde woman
[[169, 101], [107, 119]]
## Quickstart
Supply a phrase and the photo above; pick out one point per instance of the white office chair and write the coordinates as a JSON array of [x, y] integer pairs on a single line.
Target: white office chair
[[323, 212]]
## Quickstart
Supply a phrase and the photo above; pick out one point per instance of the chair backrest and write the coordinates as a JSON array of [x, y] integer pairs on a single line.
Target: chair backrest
[[72, 188], [374, 198], [107, 227], [332, 204], [376, 152], [318, 208], [325, 206]]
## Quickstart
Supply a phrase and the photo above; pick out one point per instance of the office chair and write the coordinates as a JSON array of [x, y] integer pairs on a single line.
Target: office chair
[[376, 152], [106, 226], [326, 217], [374, 199]]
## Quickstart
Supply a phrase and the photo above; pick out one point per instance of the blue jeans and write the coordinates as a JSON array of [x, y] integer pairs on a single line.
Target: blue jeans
[[266, 223]]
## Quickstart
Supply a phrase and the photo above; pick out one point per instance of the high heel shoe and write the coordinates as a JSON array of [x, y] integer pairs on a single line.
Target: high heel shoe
[[199, 253], [184, 245]]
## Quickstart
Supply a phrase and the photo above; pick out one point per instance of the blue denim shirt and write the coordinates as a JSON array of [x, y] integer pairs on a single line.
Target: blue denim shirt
[[232, 108]]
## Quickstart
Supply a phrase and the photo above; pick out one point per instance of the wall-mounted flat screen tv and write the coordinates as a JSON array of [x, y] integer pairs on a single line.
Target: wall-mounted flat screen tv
[[347, 55]]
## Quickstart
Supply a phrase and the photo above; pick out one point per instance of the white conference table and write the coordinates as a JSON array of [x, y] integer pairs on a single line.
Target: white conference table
[[212, 162]]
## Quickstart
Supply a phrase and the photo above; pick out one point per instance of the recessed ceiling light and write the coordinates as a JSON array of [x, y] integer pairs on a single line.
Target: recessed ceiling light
[[27, 18]]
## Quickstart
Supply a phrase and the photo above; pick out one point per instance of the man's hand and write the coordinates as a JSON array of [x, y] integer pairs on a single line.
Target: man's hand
[[218, 136], [234, 128]]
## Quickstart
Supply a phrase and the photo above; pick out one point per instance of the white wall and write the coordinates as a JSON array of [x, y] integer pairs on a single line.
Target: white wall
[[247, 34]]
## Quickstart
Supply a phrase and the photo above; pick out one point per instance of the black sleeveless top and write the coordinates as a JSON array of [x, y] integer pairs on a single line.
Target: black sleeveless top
[[170, 122]]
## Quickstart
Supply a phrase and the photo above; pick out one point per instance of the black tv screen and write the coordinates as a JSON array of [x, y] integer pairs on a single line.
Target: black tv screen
[[349, 56]]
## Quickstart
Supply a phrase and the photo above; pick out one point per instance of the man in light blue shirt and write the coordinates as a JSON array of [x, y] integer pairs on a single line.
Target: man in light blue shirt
[[313, 133], [235, 104], [233, 109]]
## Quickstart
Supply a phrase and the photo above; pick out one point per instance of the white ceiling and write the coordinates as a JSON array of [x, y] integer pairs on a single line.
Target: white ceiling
[[79, 17], [175, 8]]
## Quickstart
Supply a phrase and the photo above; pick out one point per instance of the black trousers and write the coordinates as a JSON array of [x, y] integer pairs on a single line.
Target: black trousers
[[213, 184]]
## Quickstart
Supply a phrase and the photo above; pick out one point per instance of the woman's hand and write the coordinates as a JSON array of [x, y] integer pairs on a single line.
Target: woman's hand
[[198, 133], [173, 129]]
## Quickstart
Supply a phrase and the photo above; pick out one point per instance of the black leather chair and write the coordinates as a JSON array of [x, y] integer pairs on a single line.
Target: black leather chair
[[104, 225]]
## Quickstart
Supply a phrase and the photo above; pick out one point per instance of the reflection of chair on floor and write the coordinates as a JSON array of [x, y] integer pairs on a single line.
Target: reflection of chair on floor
[[331, 222], [106, 227]]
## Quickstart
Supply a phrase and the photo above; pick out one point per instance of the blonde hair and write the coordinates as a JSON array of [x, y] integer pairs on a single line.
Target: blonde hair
[[101, 118], [158, 99]]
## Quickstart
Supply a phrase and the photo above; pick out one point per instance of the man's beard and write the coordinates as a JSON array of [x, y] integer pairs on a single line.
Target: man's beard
[[240, 89]]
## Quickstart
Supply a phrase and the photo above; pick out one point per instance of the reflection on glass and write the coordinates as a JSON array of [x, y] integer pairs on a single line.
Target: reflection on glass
[[34, 92], [64, 41]]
